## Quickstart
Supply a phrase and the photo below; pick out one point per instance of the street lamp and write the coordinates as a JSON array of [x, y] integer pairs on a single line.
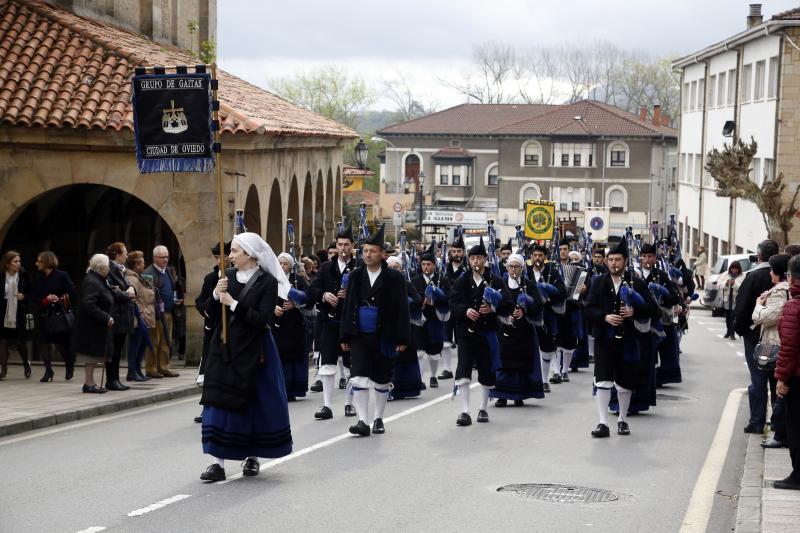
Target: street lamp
[[399, 182], [407, 187], [362, 152]]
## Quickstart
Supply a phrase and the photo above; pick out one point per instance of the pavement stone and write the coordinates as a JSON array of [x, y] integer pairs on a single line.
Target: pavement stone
[[28, 405]]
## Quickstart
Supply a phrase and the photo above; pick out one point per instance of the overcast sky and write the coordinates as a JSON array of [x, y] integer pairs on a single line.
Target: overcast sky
[[431, 39]]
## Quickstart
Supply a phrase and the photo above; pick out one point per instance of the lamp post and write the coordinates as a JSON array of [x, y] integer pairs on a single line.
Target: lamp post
[[399, 182], [362, 152], [407, 187]]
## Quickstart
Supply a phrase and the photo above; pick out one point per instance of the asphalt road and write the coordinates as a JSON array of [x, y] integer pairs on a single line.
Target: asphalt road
[[424, 474]]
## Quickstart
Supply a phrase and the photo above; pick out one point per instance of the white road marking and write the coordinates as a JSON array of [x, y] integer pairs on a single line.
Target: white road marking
[[701, 323], [343, 436], [702, 500], [96, 420], [158, 505], [717, 329], [93, 529]]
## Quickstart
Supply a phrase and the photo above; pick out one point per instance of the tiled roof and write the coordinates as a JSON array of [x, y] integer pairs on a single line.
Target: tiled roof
[[64, 71], [349, 170], [467, 119], [453, 153], [792, 14], [356, 197], [587, 117]]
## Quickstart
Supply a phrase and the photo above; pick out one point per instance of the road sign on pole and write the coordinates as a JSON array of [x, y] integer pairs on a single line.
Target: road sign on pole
[[397, 207], [398, 219]]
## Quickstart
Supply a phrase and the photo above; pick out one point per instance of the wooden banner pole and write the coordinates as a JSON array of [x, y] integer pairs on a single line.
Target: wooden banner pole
[[218, 171]]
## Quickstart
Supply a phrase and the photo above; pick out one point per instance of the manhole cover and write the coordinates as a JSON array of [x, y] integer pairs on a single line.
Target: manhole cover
[[549, 492], [672, 397]]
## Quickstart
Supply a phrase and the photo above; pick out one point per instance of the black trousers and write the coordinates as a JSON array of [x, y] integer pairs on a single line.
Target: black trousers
[[368, 361], [112, 366], [474, 351], [792, 405], [729, 319]]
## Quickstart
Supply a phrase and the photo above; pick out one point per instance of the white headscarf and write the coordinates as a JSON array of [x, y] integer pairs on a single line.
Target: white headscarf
[[518, 258], [394, 259], [574, 255], [288, 257], [254, 246]]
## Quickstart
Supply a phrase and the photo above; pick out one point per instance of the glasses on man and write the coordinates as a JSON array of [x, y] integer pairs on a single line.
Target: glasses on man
[[161, 256]]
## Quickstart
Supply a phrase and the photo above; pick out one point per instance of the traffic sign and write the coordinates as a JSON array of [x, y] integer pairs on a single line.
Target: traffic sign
[[398, 219], [397, 207]]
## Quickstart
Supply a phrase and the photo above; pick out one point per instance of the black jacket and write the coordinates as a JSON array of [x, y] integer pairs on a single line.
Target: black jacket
[[466, 294], [206, 294], [91, 335], [328, 280], [420, 285], [58, 283], [123, 305], [231, 369], [389, 294], [601, 301], [755, 282]]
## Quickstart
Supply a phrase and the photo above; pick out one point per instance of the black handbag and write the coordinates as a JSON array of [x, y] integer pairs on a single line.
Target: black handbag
[[58, 320]]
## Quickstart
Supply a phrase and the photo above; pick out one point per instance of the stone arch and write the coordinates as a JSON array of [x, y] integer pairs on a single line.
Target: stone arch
[[529, 191], [307, 221], [530, 154], [319, 212], [418, 161], [274, 229], [617, 198], [252, 210], [330, 220], [293, 209]]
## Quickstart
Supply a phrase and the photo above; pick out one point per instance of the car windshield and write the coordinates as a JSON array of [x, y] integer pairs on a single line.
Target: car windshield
[[720, 266]]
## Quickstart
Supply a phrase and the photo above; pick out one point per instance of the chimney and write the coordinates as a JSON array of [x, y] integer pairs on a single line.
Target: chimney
[[754, 18], [656, 115], [643, 113], [665, 119]]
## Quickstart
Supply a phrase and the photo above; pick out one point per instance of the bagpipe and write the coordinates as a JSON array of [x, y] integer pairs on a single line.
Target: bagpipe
[[489, 296], [494, 264], [296, 296], [342, 280], [434, 292], [403, 255], [521, 248], [413, 258], [363, 231], [238, 222]]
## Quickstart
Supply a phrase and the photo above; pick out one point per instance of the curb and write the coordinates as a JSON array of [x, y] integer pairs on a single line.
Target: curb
[[22, 425], [748, 509]]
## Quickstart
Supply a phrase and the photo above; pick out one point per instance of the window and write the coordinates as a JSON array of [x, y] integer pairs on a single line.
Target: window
[[701, 93], [686, 89], [772, 91], [721, 89], [576, 206], [747, 83], [531, 154], [616, 199], [758, 91], [564, 160], [684, 176], [529, 191], [769, 169], [698, 168], [491, 174], [455, 143], [444, 176], [693, 96], [579, 154], [562, 207], [618, 155], [712, 91], [576, 160], [755, 167], [457, 175], [732, 87]]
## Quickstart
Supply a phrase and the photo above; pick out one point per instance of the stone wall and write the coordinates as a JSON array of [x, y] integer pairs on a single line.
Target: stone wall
[[788, 138]]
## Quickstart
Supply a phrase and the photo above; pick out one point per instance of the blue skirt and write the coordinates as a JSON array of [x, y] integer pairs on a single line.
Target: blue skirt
[[580, 357], [295, 374], [407, 380], [515, 385], [262, 431], [669, 368]]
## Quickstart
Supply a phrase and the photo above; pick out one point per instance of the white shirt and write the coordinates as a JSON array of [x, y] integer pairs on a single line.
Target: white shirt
[[242, 276], [342, 266], [645, 272], [477, 278], [512, 283], [616, 284], [537, 275], [162, 270], [373, 276]]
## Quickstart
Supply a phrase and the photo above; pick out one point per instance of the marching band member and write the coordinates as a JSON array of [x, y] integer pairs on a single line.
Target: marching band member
[[569, 329], [407, 376], [434, 287], [552, 288], [619, 307], [329, 289], [520, 374], [476, 300], [374, 330], [289, 328], [331, 255], [456, 266]]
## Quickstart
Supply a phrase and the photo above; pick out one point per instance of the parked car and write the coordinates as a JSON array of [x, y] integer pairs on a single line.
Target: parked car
[[712, 296]]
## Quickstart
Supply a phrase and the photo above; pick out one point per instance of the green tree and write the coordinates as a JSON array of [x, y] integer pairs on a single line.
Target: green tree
[[330, 91]]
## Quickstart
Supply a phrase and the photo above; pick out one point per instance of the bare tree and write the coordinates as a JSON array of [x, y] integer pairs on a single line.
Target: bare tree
[[409, 105], [537, 72], [493, 69]]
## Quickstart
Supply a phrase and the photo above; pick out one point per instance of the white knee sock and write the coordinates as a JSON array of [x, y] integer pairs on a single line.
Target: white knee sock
[[361, 403], [220, 462], [433, 360], [624, 396], [601, 398], [327, 389], [447, 354], [381, 397], [591, 346], [348, 395], [567, 360], [484, 397], [463, 390], [546, 358]]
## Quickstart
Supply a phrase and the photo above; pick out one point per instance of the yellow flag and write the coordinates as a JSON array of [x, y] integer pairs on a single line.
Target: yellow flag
[[540, 220]]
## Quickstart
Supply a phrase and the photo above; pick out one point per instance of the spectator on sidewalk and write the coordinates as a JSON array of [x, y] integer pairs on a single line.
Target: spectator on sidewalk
[[144, 315], [787, 374], [729, 283], [166, 283], [122, 312], [94, 323], [756, 281], [701, 267], [13, 305], [54, 291]]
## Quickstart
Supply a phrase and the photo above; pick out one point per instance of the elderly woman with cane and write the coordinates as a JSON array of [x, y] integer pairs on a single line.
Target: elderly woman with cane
[[245, 409]]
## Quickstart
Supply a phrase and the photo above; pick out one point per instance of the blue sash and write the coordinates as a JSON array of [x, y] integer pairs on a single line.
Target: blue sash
[[367, 319]]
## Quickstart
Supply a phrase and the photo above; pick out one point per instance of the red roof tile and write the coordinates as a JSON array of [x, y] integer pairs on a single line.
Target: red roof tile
[[467, 119], [791, 14], [349, 170], [356, 197], [61, 70], [453, 153]]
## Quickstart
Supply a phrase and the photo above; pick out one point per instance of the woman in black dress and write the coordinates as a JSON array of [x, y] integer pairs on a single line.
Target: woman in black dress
[[290, 331], [12, 304]]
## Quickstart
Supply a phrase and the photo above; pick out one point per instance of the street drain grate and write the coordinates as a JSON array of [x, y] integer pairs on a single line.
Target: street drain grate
[[672, 397], [555, 493]]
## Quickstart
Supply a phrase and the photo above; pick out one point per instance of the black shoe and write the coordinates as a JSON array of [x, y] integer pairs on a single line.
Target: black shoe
[[250, 467], [772, 443], [94, 389], [360, 429], [446, 374], [556, 379], [28, 370], [116, 386], [601, 431], [423, 387], [142, 377], [48, 375], [198, 419], [342, 383], [546, 387], [565, 378], [483, 416], [752, 428], [434, 383], [622, 428], [324, 414], [787, 484], [518, 403], [501, 402], [135, 377], [349, 410], [377, 426], [213, 473], [464, 420], [3, 371], [316, 387]]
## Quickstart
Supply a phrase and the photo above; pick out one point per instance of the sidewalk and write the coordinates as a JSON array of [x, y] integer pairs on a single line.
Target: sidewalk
[[761, 507], [27, 404]]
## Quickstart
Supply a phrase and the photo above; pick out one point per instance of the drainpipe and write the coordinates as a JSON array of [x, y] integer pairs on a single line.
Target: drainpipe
[[703, 137]]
